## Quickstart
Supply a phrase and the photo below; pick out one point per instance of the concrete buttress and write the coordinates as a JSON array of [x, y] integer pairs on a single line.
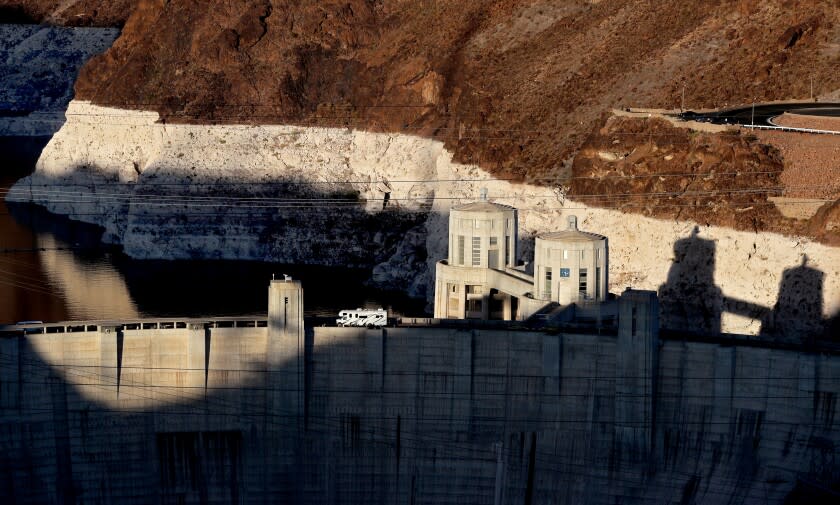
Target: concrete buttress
[[635, 376]]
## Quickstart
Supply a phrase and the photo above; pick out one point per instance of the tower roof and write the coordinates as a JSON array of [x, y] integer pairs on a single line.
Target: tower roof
[[483, 206], [571, 236]]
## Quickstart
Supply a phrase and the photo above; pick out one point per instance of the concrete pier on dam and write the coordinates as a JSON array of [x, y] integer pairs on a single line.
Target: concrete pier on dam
[[274, 411]]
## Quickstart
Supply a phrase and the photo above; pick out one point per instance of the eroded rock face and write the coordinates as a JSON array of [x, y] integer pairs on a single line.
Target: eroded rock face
[[825, 225], [317, 195], [512, 85], [669, 170], [650, 167]]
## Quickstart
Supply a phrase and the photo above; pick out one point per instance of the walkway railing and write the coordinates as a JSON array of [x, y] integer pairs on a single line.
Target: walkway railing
[[790, 129]]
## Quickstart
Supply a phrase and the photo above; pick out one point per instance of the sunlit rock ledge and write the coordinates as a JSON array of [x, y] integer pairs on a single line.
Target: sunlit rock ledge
[[177, 191]]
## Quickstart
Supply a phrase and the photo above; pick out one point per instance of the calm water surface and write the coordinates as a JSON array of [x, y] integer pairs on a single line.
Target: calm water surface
[[54, 269]]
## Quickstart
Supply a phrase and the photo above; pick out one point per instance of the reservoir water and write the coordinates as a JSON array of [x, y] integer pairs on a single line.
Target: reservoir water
[[53, 269]]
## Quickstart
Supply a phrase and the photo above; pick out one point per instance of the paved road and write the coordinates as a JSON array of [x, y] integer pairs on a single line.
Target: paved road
[[763, 113]]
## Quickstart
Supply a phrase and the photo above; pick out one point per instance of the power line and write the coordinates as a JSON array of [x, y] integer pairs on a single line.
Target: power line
[[495, 375], [28, 287], [131, 197], [369, 124], [249, 214], [126, 382], [431, 180]]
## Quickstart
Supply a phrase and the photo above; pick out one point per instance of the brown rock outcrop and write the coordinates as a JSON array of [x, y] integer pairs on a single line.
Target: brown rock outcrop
[[513, 85], [69, 12], [650, 167]]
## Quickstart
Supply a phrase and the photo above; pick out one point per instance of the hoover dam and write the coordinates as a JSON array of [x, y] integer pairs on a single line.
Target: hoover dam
[[267, 410]]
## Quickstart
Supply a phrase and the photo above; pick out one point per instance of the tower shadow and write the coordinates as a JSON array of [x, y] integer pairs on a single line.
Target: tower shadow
[[689, 300], [797, 314]]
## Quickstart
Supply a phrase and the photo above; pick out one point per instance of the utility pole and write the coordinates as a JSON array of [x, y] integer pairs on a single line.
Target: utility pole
[[682, 104], [752, 116]]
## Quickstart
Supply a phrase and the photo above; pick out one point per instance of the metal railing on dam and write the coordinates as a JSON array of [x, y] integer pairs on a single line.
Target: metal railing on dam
[[34, 328], [792, 129], [728, 339]]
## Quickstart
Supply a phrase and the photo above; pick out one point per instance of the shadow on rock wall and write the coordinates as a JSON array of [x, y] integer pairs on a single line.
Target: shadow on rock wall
[[690, 301], [798, 311], [284, 221], [16, 15]]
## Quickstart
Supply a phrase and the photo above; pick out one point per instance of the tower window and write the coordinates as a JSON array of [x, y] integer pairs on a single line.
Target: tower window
[[582, 283], [460, 249], [493, 258], [547, 288], [598, 283], [476, 251]]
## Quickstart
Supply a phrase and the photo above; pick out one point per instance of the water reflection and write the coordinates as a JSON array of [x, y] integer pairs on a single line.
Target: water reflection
[[91, 289], [25, 293], [61, 270]]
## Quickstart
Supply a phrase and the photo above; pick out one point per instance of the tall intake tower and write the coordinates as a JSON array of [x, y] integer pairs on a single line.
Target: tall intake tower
[[570, 266]]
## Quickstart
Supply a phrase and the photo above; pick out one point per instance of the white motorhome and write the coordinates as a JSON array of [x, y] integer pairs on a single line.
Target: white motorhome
[[363, 317]]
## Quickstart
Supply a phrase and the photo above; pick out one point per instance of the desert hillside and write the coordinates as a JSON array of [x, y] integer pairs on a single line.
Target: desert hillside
[[514, 86], [751, 181]]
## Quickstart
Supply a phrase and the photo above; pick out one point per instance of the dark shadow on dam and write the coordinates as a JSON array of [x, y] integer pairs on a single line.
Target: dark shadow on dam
[[250, 444], [691, 302]]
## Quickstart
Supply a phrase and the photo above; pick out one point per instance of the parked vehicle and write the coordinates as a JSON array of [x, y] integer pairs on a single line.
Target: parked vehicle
[[372, 318]]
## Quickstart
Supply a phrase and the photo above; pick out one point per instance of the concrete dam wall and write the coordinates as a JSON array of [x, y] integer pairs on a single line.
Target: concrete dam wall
[[271, 411]]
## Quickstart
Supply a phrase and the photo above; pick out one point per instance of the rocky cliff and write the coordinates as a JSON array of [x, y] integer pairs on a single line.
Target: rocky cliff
[[512, 85], [675, 170]]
